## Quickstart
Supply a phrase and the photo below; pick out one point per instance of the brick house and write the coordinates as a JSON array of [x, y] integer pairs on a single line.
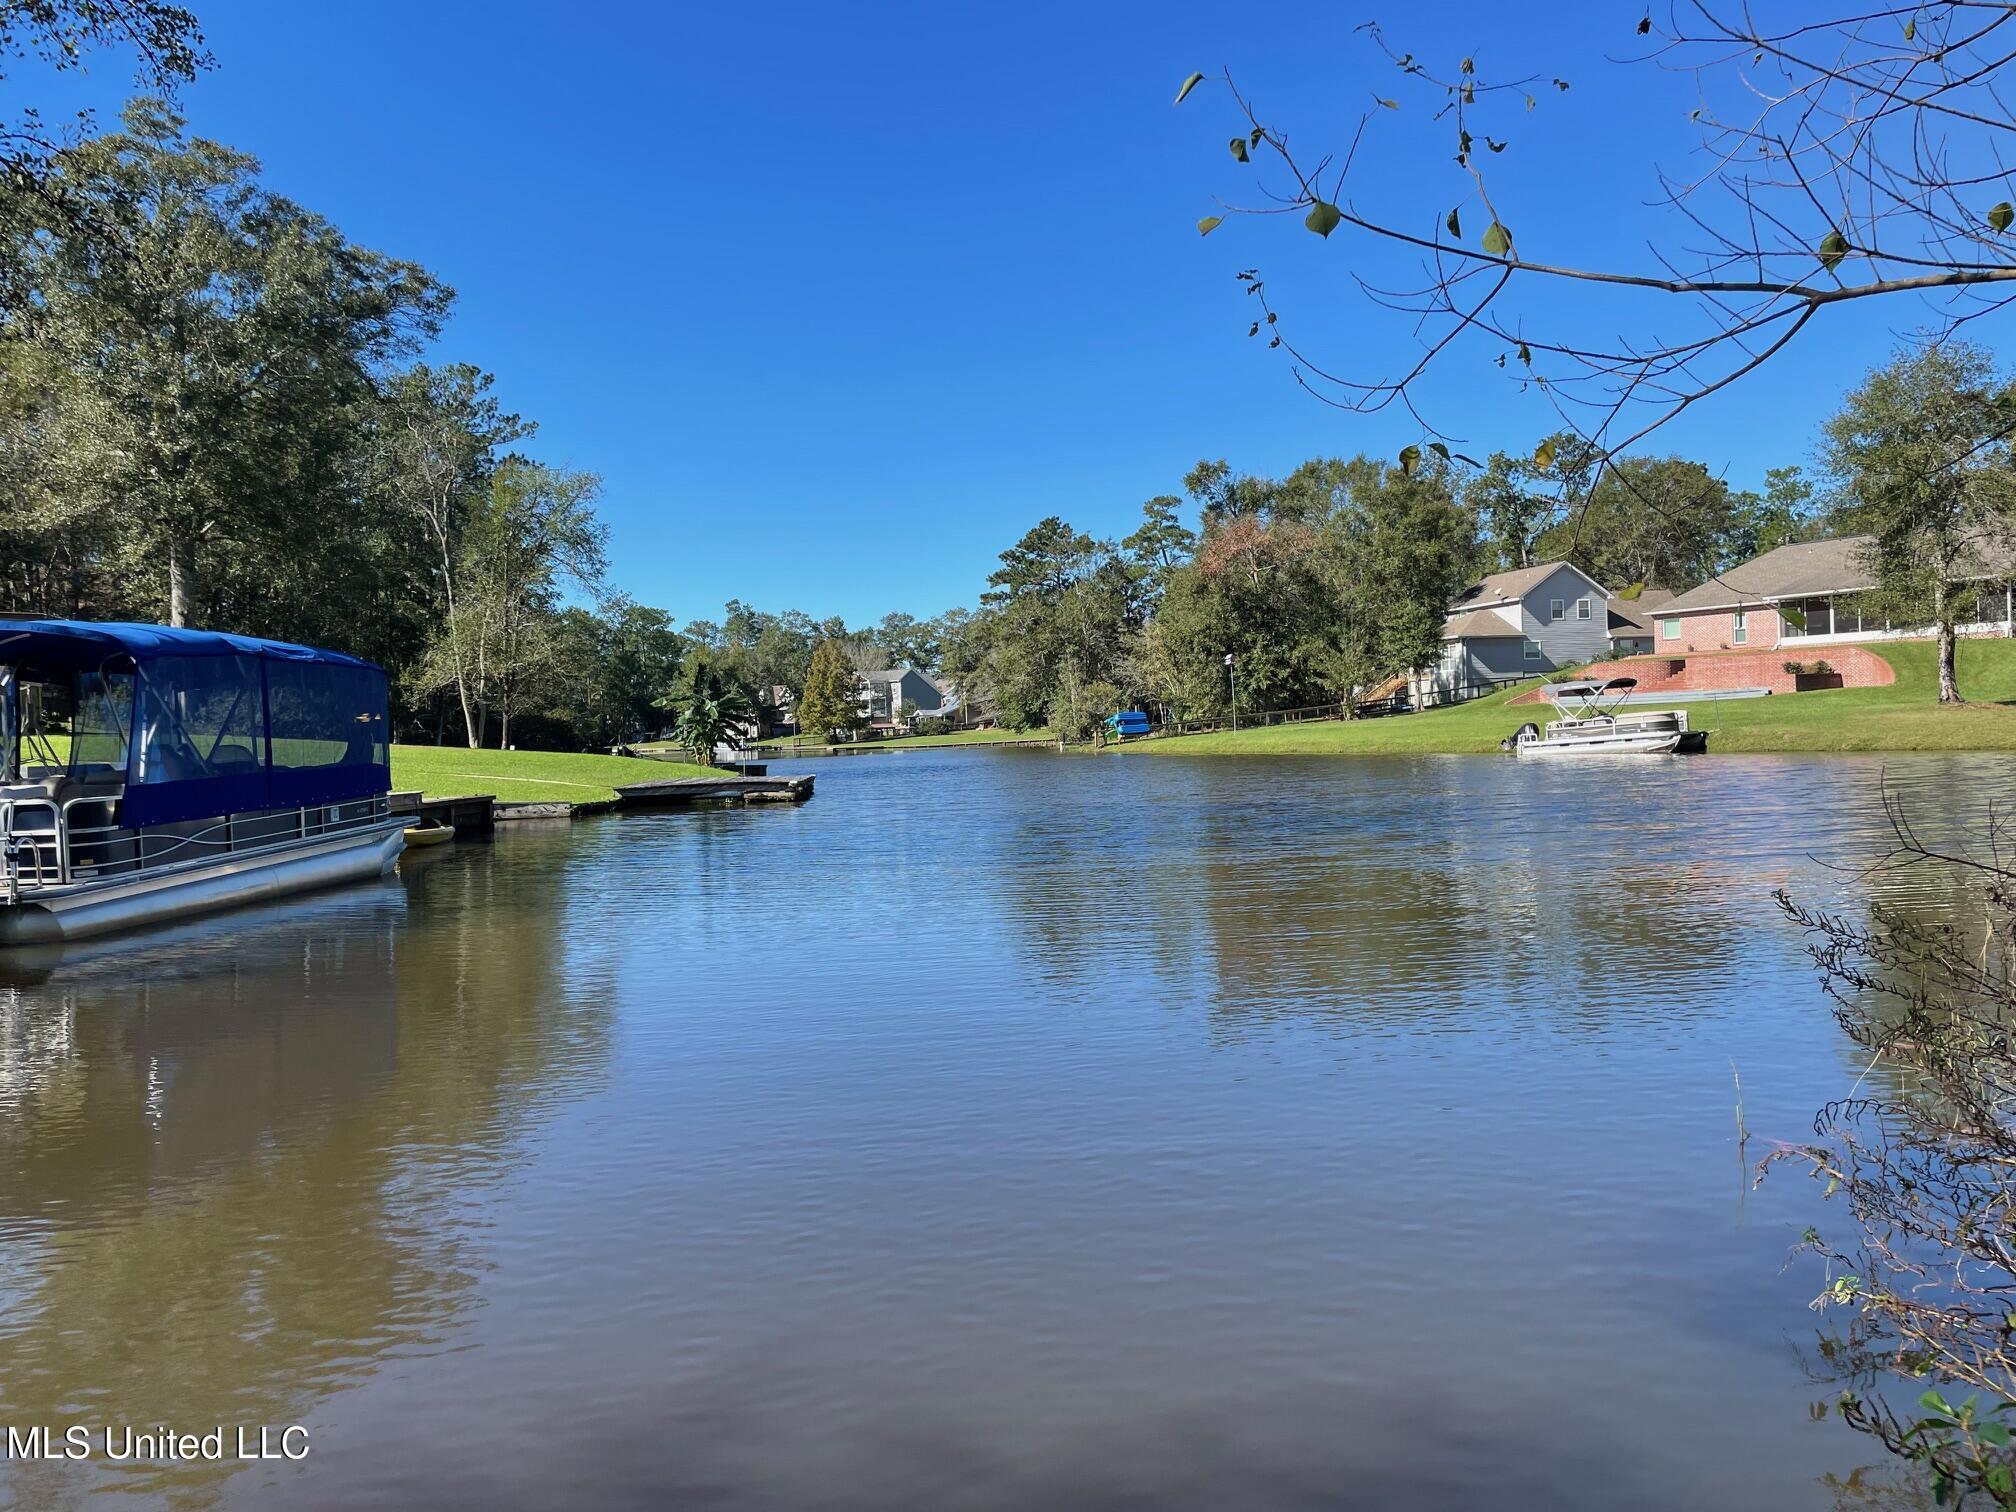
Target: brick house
[[1807, 594]]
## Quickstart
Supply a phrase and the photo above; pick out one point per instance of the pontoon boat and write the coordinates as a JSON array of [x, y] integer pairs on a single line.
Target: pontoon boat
[[1594, 723], [147, 774]]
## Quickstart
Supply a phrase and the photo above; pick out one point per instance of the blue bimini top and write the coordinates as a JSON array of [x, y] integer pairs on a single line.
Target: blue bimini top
[[83, 644], [201, 724]]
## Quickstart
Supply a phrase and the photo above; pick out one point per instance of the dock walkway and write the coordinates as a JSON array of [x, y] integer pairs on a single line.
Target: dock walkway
[[730, 789]]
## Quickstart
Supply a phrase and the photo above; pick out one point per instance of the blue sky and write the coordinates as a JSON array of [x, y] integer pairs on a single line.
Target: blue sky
[[839, 300]]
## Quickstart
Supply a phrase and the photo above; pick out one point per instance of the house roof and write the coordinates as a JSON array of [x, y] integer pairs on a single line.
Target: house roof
[[1634, 616], [1510, 587], [1478, 624], [1812, 568], [895, 675], [1790, 571]]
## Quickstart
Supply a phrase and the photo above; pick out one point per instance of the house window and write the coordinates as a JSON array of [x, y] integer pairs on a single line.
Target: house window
[[1669, 629], [1532, 650], [1582, 609], [1739, 629], [1556, 610]]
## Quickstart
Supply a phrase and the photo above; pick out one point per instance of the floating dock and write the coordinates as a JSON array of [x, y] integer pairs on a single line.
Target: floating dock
[[723, 789]]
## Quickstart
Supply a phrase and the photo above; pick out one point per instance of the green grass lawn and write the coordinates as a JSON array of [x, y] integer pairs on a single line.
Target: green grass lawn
[[525, 776], [1903, 717]]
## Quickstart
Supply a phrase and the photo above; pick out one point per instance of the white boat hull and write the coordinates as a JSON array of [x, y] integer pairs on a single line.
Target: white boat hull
[[81, 909], [1647, 744]]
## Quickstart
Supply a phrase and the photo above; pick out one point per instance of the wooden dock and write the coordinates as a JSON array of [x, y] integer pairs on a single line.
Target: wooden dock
[[470, 812], [723, 789]]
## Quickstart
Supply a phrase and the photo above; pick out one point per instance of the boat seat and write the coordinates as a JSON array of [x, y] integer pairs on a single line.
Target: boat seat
[[60, 787]]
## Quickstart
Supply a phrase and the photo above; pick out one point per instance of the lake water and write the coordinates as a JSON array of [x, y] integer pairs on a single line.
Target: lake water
[[998, 1130]]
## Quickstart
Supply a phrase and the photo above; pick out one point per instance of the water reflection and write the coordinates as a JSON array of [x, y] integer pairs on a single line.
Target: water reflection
[[245, 1163]]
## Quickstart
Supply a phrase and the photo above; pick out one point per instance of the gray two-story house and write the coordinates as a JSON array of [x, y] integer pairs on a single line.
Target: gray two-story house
[[883, 695], [1522, 623]]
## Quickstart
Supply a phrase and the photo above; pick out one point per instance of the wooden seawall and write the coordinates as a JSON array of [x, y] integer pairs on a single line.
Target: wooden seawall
[[724, 789], [892, 748]]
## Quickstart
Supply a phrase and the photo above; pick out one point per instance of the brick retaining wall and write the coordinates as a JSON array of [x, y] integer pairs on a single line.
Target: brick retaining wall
[[1710, 670]]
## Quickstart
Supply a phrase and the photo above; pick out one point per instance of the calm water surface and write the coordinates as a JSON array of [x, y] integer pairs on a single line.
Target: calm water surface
[[995, 1131]]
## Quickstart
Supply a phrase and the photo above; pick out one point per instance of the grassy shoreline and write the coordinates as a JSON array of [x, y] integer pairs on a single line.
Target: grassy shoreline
[[1902, 717], [525, 776]]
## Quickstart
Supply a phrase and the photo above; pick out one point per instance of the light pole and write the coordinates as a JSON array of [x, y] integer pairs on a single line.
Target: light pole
[[1232, 676]]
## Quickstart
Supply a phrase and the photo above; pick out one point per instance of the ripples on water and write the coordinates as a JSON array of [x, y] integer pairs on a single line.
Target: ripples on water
[[997, 1130]]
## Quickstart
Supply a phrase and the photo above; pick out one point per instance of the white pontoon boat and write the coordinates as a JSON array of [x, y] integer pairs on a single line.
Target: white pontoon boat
[[1595, 723], [147, 774]]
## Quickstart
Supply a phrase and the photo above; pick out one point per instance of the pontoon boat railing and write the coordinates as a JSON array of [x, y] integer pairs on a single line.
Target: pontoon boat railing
[[61, 851]]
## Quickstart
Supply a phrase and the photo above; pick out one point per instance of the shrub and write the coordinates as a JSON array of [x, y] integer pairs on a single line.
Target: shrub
[[1809, 669]]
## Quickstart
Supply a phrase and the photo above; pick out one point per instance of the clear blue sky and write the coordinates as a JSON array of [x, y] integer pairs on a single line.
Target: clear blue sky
[[840, 299]]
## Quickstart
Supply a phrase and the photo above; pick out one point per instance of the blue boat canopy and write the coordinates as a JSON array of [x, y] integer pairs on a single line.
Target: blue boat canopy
[[79, 645], [199, 724]]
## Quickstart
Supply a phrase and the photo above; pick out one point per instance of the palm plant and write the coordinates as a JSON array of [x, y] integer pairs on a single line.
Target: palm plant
[[711, 708]]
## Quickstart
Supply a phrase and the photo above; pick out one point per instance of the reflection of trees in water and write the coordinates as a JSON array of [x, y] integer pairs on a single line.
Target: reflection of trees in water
[[1356, 894], [1880, 1488], [1448, 894], [235, 1182], [1373, 893], [1104, 899]]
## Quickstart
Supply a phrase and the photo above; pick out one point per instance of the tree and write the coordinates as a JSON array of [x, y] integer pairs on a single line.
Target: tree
[[1399, 556], [640, 660], [1046, 560], [211, 369], [1059, 614], [1257, 590], [905, 641], [1515, 499], [1157, 549], [168, 52], [1663, 520], [534, 533], [826, 704], [1923, 464], [1842, 160], [619, 664], [1321, 583], [1782, 514], [435, 441]]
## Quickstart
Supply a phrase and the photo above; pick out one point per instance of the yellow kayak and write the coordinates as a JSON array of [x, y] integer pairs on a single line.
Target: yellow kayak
[[428, 834]]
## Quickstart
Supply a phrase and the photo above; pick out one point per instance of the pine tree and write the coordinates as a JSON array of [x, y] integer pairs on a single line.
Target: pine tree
[[827, 703]]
